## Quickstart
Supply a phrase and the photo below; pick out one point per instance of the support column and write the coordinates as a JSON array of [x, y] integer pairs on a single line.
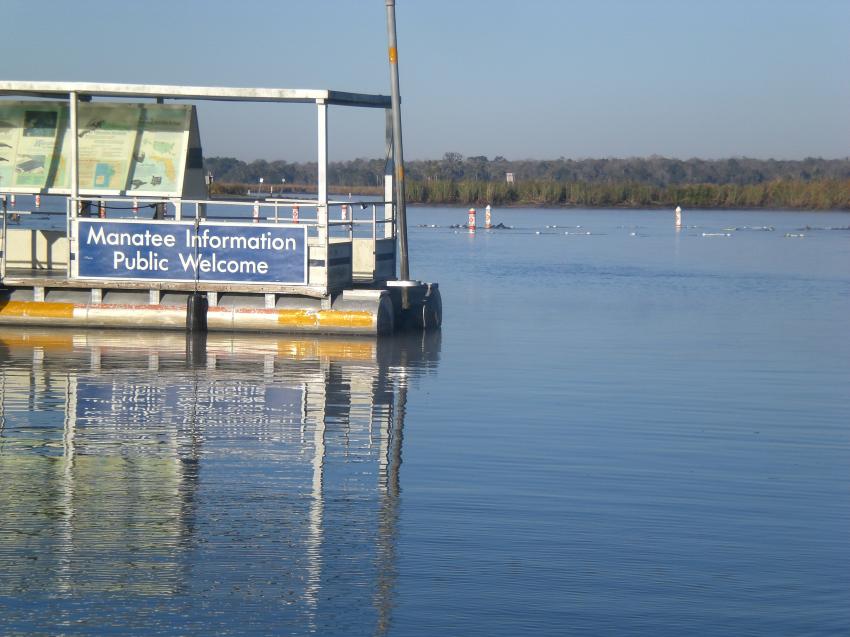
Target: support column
[[322, 192], [389, 187], [75, 154], [322, 211], [75, 184]]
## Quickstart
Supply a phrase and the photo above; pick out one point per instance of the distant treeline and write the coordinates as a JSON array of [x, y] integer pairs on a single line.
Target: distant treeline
[[651, 171], [819, 194], [639, 182]]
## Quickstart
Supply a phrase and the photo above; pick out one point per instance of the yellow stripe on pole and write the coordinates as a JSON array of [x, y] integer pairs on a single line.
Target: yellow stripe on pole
[[36, 309], [393, 55]]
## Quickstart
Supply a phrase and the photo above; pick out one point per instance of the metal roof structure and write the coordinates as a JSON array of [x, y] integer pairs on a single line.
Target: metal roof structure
[[213, 93]]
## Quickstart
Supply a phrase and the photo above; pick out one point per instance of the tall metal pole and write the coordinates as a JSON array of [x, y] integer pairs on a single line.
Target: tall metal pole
[[398, 157]]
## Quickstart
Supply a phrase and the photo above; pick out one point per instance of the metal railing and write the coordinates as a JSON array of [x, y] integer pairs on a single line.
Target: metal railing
[[341, 214], [345, 219]]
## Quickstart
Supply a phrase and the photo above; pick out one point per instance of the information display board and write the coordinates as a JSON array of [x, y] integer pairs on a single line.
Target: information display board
[[181, 251], [141, 149]]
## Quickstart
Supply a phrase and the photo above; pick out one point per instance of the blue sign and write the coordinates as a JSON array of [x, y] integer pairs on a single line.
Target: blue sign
[[182, 251]]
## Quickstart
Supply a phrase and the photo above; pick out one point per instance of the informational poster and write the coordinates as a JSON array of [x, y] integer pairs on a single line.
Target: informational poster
[[28, 142], [160, 152], [181, 251], [123, 148], [106, 140]]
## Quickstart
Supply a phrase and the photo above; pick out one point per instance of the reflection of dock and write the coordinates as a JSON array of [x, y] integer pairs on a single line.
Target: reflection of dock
[[174, 455]]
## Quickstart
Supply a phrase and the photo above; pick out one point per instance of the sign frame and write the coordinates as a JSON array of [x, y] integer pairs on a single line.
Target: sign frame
[[86, 257]]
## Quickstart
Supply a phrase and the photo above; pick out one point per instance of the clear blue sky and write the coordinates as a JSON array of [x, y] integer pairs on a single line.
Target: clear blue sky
[[532, 79]]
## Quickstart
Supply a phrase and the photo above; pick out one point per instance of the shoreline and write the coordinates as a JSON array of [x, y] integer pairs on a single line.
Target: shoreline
[[800, 196], [567, 207]]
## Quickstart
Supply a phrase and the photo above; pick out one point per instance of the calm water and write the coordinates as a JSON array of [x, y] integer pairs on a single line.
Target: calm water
[[632, 431]]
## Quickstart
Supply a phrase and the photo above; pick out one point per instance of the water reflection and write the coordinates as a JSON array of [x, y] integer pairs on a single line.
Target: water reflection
[[239, 481]]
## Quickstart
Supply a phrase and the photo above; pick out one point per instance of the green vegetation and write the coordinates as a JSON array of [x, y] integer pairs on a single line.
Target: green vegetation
[[821, 194], [639, 183]]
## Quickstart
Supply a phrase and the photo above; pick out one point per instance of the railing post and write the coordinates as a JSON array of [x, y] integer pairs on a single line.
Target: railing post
[[3, 244]]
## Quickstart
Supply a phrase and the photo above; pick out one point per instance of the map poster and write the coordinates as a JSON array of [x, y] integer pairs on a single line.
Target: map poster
[[157, 161], [28, 134]]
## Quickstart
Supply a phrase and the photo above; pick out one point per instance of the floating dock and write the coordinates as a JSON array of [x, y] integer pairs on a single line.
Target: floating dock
[[136, 241]]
